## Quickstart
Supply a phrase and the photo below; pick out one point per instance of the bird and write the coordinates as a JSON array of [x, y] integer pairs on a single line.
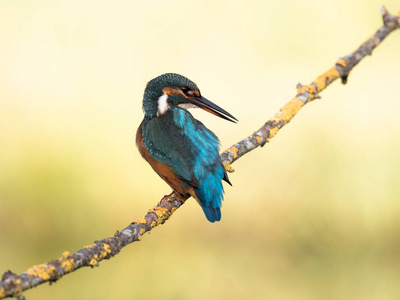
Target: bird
[[179, 148]]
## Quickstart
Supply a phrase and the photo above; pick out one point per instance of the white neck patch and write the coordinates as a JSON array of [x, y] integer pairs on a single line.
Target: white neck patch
[[162, 105]]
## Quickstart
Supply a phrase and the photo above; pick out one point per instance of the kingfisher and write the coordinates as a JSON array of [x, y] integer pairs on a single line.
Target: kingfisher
[[179, 148]]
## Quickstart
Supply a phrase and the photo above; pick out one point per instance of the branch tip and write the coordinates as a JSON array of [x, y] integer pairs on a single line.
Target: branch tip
[[383, 11], [389, 20]]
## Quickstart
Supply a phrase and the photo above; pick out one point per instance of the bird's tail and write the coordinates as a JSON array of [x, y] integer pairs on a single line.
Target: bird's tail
[[210, 194], [212, 214]]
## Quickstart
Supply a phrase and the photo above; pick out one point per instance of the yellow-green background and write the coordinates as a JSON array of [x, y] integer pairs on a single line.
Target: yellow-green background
[[315, 214]]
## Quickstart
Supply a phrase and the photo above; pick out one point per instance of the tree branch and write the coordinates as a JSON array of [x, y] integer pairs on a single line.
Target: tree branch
[[12, 285]]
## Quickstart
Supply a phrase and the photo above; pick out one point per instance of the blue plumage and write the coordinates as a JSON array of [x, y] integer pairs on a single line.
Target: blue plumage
[[172, 140], [207, 166]]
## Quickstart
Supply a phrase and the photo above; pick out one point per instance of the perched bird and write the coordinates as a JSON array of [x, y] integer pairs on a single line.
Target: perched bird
[[181, 150]]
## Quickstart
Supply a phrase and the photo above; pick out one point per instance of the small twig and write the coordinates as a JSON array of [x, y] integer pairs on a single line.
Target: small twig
[[13, 285]]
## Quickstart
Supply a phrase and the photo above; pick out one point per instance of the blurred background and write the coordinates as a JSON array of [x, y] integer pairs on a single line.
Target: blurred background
[[312, 215]]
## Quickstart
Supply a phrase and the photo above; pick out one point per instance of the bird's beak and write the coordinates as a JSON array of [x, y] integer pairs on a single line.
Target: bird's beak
[[210, 107]]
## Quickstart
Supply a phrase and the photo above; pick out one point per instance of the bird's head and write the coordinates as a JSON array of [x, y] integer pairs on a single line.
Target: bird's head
[[171, 90]]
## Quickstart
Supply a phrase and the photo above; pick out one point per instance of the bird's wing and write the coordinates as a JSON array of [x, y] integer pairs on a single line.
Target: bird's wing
[[169, 146], [200, 126]]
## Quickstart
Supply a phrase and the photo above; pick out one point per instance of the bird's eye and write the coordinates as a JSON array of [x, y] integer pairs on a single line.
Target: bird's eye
[[185, 89]]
